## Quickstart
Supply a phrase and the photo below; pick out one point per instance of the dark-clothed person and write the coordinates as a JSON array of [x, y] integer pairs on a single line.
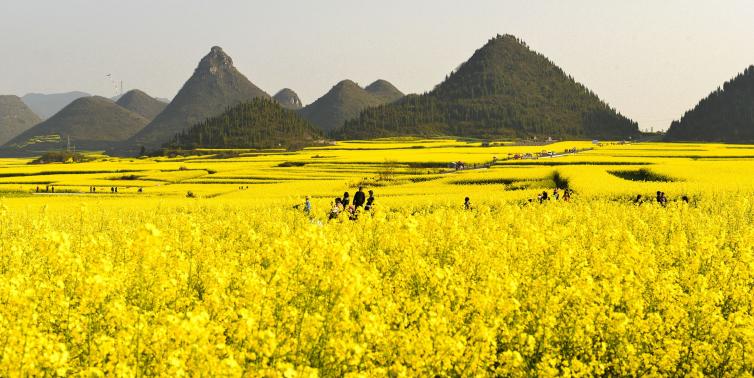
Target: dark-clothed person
[[359, 198], [370, 201], [346, 199]]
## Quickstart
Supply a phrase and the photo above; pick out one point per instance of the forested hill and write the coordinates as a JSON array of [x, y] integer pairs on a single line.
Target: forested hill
[[260, 123], [504, 90], [726, 115]]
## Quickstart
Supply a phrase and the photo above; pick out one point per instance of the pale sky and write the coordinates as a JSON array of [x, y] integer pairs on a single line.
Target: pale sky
[[650, 59]]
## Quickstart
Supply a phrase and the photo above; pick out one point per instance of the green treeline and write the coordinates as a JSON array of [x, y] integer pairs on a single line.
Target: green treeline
[[260, 123]]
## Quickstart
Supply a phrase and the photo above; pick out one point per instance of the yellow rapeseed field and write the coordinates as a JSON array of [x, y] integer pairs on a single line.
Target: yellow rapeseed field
[[234, 281]]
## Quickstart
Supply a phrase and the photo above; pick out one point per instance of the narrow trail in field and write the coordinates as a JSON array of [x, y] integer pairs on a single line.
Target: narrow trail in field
[[492, 163]]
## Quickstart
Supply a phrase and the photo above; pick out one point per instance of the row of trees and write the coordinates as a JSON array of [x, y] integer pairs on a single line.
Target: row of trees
[[428, 115]]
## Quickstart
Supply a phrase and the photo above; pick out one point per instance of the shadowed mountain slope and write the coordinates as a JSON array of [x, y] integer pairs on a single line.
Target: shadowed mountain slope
[[142, 104], [726, 115], [15, 117], [215, 85], [89, 122]]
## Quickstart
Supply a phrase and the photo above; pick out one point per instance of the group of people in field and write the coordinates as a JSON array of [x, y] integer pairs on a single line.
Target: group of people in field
[[48, 189], [113, 189], [92, 189], [362, 202], [661, 199], [557, 194], [344, 204]]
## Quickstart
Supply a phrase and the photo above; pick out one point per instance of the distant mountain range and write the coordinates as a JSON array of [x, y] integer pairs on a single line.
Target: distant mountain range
[[89, 123], [15, 118], [505, 90], [260, 123], [345, 101], [726, 115], [215, 85], [46, 105]]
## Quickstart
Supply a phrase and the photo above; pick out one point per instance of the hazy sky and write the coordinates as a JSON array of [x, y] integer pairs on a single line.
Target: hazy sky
[[651, 59]]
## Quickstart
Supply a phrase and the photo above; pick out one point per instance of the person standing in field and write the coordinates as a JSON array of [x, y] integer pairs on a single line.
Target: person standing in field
[[307, 206], [467, 203], [543, 197], [346, 199], [337, 207], [566, 195], [370, 201], [352, 213], [359, 198], [661, 199]]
